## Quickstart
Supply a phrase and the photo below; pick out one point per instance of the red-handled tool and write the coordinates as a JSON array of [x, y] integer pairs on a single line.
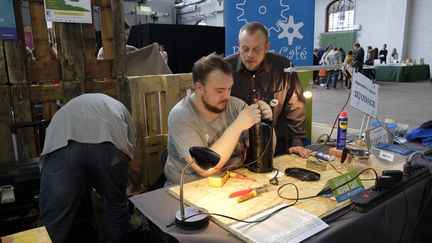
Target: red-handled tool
[[246, 194], [240, 193]]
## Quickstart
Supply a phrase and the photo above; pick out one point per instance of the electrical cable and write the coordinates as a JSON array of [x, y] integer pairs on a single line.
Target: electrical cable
[[319, 194], [322, 135], [381, 124], [328, 162], [232, 218], [233, 167], [274, 180], [276, 211], [297, 193], [334, 124]]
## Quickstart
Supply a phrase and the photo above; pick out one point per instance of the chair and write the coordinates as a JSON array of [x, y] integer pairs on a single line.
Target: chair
[[160, 182], [152, 97]]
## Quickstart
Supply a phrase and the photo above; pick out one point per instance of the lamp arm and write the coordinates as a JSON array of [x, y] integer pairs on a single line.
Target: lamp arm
[[182, 211]]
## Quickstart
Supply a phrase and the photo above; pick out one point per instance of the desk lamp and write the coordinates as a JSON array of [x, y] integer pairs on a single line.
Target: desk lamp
[[205, 158]]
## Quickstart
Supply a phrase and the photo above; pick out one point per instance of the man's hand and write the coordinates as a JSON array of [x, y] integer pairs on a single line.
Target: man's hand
[[248, 117], [301, 151], [266, 111]]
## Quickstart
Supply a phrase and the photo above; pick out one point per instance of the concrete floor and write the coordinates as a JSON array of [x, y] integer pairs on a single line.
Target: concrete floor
[[408, 103]]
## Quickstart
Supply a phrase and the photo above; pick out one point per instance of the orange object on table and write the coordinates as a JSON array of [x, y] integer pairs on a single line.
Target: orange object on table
[[249, 193], [240, 176]]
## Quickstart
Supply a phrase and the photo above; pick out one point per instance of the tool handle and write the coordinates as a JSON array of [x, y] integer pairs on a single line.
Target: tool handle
[[240, 193], [250, 195]]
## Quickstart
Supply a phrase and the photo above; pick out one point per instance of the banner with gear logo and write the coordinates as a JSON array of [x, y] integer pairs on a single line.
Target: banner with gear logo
[[290, 24]]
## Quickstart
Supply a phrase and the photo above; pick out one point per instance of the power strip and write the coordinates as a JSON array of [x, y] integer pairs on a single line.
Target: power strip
[[372, 197], [7, 194]]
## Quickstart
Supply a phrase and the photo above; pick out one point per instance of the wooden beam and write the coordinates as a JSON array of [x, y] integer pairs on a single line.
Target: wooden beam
[[40, 32], [15, 50], [72, 58], [43, 70], [3, 76], [71, 89], [98, 69], [89, 43], [45, 93], [22, 110], [119, 64], [6, 149], [107, 87], [107, 29]]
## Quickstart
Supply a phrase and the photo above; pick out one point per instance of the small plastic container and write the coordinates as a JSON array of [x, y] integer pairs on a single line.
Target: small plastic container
[[390, 126]]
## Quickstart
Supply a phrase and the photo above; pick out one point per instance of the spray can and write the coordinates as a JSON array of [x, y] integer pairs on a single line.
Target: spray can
[[324, 156], [342, 130]]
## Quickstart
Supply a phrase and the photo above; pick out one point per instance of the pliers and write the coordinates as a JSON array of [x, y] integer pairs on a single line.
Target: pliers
[[249, 193]]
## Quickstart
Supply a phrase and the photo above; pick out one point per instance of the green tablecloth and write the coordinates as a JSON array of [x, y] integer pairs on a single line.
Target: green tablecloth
[[402, 73]]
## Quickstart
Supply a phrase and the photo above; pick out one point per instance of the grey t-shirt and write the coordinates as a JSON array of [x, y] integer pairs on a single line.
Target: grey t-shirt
[[187, 128], [91, 118]]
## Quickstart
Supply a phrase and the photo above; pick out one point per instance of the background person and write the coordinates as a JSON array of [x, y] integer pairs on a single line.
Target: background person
[[394, 56], [129, 48], [255, 68], [358, 57], [383, 54], [163, 53]]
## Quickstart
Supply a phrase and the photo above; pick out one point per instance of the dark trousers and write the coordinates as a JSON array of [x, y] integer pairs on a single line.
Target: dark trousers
[[65, 176]]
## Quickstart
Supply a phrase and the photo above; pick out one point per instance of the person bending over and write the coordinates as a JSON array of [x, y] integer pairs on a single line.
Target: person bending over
[[89, 142]]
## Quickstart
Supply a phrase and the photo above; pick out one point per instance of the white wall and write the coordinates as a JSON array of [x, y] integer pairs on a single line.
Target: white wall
[[381, 22], [419, 39], [402, 24], [320, 19], [159, 6], [210, 11]]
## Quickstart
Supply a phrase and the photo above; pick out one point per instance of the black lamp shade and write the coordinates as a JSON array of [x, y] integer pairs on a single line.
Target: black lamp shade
[[204, 157]]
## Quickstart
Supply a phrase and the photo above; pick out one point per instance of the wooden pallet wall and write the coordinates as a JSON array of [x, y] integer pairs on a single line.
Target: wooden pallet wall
[[25, 83]]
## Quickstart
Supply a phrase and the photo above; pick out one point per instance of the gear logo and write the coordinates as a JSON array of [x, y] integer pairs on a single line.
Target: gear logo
[[262, 11], [290, 30]]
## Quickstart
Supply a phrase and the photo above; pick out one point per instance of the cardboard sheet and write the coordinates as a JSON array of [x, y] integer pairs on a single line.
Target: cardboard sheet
[[146, 61]]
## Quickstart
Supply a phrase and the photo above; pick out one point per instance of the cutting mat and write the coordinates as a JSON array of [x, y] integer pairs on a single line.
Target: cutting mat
[[216, 200]]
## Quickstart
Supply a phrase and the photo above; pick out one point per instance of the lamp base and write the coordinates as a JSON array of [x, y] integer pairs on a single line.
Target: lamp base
[[197, 222]]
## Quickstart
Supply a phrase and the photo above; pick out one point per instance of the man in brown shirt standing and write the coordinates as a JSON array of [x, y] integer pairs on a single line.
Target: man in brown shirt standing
[[255, 68]]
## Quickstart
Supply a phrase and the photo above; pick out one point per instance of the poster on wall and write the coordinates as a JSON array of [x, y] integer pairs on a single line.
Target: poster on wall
[[68, 11], [364, 94], [7, 20], [290, 24]]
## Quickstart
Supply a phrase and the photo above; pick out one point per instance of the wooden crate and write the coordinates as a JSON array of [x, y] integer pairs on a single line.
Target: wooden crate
[[152, 98], [6, 148]]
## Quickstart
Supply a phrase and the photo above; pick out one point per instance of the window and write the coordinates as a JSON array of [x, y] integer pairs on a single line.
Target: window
[[340, 15]]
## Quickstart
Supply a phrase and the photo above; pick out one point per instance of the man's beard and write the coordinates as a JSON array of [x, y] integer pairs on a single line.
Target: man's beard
[[211, 108]]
